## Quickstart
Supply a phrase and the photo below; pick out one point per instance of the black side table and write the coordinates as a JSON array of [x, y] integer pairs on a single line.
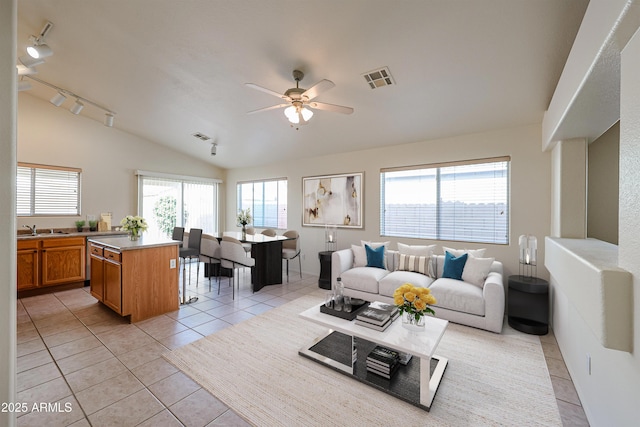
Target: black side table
[[324, 281], [528, 304]]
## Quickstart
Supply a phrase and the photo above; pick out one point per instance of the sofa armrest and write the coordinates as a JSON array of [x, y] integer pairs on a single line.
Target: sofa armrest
[[494, 299], [341, 261]]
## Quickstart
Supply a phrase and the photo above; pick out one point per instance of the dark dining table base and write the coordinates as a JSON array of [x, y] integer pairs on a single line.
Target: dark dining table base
[[268, 268]]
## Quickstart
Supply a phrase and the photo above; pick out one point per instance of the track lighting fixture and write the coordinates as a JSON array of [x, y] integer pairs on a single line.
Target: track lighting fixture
[[38, 48], [58, 99], [76, 107], [23, 85], [30, 62]]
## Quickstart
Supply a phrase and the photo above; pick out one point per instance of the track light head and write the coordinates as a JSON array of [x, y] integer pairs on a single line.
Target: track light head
[[108, 120], [23, 85], [38, 48], [214, 149], [76, 107], [39, 51], [58, 99]]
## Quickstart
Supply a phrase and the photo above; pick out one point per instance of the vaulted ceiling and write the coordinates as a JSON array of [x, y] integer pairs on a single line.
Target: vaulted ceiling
[[172, 68]]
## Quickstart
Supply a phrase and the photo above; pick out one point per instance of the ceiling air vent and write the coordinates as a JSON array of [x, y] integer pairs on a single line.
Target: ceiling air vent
[[378, 78], [201, 136]]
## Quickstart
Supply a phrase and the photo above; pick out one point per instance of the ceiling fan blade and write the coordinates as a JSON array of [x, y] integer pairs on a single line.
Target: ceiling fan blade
[[273, 107], [331, 107], [318, 88], [265, 90]]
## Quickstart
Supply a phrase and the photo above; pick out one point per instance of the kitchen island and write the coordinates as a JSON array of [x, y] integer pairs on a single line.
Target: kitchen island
[[138, 278]]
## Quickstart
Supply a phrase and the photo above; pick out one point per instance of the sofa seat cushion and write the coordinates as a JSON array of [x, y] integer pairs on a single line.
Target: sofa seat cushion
[[392, 281], [458, 296], [363, 279]]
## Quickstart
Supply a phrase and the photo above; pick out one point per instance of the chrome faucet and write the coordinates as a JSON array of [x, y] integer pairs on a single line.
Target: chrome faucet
[[33, 230]]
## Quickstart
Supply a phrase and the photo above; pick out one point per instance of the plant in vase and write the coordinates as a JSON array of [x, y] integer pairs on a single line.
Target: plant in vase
[[414, 303], [135, 225], [244, 218], [93, 225], [79, 225]]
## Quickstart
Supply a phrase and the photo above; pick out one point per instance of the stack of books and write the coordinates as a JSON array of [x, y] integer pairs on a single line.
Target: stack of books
[[377, 316], [383, 361]]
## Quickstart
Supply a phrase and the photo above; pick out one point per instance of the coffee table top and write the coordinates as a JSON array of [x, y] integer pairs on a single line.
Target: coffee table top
[[420, 344]]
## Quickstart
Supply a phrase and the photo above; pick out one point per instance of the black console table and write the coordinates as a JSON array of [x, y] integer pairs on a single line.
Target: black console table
[[528, 304], [324, 281]]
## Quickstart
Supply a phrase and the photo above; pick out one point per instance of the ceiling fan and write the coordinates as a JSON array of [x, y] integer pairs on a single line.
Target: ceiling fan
[[299, 100]]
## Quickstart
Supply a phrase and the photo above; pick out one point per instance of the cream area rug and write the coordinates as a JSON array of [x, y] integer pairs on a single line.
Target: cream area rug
[[254, 368]]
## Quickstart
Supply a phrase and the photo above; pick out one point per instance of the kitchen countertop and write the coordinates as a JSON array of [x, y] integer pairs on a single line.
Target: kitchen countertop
[[124, 244], [58, 234]]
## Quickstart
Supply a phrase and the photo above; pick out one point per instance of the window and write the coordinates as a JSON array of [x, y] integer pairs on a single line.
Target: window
[[267, 201], [167, 201], [463, 201], [47, 190]]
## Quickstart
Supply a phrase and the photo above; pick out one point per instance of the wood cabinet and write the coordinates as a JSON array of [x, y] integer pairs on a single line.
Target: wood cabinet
[[63, 260], [50, 262], [141, 282], [28, 264]]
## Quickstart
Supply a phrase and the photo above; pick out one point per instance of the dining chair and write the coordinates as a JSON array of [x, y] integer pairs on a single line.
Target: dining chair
[[210, 253], [191, 251], [291, 249], [233, 256], [178, 234], [269, 232]]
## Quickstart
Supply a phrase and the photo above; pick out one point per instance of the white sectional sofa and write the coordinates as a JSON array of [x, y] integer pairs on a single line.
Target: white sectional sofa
[[479, 304]]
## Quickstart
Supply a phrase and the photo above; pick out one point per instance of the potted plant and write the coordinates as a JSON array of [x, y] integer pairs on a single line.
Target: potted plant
[[79, 225], [93, 225]]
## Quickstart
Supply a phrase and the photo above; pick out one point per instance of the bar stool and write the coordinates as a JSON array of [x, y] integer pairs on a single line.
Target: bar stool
[[191, 251]]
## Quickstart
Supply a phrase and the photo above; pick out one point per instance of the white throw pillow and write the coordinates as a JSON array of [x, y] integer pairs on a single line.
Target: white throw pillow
[[416, 250], [476, 270], [359, 256], [477, 253]]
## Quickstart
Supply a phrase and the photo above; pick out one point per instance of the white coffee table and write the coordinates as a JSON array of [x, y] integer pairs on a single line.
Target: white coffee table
[[413, 383]]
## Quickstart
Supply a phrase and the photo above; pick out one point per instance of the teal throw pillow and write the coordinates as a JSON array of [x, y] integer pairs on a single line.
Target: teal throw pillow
[[454, 266], [375, 257]]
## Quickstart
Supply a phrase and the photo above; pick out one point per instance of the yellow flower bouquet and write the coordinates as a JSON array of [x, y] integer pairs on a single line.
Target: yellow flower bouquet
[[414, 302]]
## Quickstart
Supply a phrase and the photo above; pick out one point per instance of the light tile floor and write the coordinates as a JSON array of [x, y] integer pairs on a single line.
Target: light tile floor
[[90, 367]]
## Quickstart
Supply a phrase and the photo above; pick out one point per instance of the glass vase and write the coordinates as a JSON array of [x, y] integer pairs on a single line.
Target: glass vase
[[134, 235], [410, 322]]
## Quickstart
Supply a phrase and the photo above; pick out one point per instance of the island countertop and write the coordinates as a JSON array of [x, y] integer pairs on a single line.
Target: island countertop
[[122, 243]]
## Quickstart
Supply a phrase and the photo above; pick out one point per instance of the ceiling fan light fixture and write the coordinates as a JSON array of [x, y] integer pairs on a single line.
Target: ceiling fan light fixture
[[292, 114], [306, 114], [58, 99]]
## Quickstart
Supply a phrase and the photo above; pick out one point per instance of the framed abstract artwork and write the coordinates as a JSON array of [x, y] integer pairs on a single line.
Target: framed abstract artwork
[[333, 200]]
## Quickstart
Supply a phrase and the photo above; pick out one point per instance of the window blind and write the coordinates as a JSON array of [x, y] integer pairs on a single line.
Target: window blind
[[456, 201], [47, 190]]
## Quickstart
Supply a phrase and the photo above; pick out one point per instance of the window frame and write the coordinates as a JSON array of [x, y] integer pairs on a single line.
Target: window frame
[[281, 217], [182, 181], [438, 223], [35, 189]]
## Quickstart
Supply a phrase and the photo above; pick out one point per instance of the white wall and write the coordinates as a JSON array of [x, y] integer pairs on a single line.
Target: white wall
[[530, 188], [108, 157], [602, 188], [8, 10], [609, 394]]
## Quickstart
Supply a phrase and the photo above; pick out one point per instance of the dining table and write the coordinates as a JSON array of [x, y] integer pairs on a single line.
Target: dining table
[[267, 251]]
